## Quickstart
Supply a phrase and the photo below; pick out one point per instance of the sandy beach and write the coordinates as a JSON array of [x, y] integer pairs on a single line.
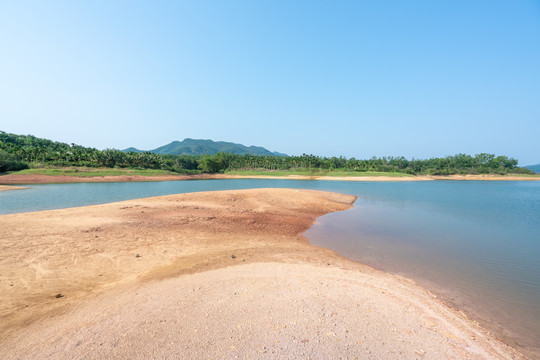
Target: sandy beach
[[212, 275]]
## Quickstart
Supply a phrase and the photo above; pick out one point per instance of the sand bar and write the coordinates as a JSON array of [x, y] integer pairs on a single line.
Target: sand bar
[[7, 188], [218, 274]]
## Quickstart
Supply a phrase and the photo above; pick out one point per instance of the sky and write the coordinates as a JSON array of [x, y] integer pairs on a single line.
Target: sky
[[411, 78]]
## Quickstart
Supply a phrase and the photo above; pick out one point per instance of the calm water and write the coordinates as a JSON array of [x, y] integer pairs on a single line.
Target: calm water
[[476, 244]]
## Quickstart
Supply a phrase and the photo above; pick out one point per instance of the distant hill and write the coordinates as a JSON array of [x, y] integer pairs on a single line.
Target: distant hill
[[535, 168], [132, 149], [202, 147]]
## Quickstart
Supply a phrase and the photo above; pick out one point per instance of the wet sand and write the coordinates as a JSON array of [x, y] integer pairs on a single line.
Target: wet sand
[[218, 274]]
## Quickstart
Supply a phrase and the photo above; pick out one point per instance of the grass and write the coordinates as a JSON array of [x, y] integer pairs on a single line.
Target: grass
[[89, 172], [340, 173]]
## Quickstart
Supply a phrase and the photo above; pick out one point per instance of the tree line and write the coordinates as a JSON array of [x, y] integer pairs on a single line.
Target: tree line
[[23, 151], [450, 165]]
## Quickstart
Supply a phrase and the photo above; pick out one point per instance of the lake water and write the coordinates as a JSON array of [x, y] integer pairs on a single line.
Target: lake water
[[476, 244]]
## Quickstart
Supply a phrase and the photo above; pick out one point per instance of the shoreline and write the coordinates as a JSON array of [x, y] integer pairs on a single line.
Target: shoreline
[[14, 179], [9, 187], [205, 238]]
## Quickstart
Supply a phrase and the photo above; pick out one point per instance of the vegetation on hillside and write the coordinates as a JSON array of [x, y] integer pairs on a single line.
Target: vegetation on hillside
[[207, 147], [9, 162], [25, 151], [535, 168]]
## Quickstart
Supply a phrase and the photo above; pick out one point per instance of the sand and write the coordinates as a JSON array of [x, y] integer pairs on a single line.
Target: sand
[[7, 188], [14, 179], [211, 275]]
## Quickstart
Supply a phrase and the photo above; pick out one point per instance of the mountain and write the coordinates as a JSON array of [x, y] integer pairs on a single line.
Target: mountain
[[201, 147], [132, 149], [535, 168]]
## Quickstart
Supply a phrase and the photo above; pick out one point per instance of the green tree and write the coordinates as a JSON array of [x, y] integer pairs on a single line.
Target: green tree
[[9, 162], [214, 163]]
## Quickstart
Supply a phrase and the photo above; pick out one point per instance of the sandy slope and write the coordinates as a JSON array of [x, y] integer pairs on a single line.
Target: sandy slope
[[219, 275]]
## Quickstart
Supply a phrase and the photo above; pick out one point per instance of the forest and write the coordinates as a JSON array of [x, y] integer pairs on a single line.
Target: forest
[[19, 152]]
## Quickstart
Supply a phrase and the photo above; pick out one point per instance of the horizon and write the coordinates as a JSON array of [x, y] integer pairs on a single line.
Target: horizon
[[415, 79]]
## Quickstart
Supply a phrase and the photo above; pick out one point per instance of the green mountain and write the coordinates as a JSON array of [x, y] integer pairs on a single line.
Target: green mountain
[[202, 147], [132, 149], [535, 168]]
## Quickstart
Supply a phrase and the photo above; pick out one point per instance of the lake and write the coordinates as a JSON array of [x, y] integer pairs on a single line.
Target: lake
[[476, 244]]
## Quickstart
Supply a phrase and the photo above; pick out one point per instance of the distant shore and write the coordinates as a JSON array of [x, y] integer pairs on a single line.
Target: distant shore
[[7, 188], [24, 179], [208, 275]]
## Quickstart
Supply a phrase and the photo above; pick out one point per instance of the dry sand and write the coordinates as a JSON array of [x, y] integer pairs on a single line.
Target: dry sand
[[218, 275], [6, 188], [15, 179]]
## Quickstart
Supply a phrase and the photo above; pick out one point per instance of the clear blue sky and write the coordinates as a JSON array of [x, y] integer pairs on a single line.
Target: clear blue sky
[[352, 78]]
